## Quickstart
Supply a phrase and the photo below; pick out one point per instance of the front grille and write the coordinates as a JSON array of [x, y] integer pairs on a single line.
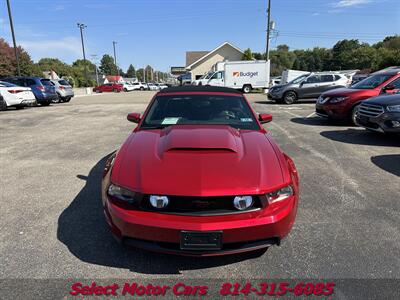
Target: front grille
[[199, 205], [370, 110]]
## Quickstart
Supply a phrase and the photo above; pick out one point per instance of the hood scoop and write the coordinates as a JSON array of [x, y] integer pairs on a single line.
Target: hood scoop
[[199, 138]]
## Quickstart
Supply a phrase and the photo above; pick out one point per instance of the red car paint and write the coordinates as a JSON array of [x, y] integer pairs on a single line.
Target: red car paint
[[343, 110], [109, 87], [232, 162]]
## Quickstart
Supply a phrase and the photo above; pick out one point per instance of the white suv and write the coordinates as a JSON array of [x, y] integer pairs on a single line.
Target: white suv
[[139, 86]]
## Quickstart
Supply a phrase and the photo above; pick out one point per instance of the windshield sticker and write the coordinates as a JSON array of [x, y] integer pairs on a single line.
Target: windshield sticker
[[170, 121], [246, 120]]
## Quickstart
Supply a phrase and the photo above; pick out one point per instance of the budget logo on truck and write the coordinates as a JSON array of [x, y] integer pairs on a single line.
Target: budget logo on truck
[[245, 74]]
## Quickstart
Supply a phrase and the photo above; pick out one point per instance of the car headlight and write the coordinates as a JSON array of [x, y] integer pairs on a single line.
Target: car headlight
[[338, 99], [394, 108], [280, 194], [159, 201], [242, 202], [121, 193]]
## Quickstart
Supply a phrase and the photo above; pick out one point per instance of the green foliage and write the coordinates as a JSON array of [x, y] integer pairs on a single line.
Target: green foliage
[[107, 65], [247, 55], [344, 55], [131, 72]]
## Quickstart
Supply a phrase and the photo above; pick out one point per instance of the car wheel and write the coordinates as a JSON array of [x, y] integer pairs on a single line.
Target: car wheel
[[3, 104], [58, 99], [47, 103], [142, 88], [247, 89], [19, 107], [68, 99], [125, 90], [354, 115], [290, 97]]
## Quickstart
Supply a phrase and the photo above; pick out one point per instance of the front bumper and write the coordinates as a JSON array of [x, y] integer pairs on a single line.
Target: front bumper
[[275, 95], [240, 232], [333, 111], [387, 122]]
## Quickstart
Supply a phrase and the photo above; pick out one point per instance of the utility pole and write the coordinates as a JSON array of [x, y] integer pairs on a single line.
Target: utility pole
[[13, 37], [81, 27], [268, 29], [115, 57]]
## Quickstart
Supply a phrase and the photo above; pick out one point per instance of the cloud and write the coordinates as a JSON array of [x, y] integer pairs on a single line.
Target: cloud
[[68, 48], [349, 3]]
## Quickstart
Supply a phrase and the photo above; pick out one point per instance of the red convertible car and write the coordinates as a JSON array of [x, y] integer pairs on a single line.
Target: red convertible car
[[199, 175]]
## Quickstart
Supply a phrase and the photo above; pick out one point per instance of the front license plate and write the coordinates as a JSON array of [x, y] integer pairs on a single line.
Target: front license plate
[[195, 240]]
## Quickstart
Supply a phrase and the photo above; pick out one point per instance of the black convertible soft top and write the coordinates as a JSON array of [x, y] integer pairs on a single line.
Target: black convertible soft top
[[199, 88]]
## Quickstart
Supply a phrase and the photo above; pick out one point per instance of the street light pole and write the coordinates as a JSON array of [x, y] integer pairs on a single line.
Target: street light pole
[[13, 37], [81, 27], [115, 57], [268, 29]]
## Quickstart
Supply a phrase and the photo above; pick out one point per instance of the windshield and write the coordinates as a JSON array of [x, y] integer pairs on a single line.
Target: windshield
[[46, 82], [63, 82], [371, 82], [200, 110], [6, 84], [299, 79]]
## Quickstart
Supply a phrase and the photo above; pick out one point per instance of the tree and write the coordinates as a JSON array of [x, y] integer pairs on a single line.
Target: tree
[[8, 63], [56, 65], [107, 65], [139, 74], [247, 55], [131, 72]]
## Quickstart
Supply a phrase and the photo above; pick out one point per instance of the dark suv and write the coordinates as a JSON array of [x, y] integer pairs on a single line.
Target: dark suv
[[343, 103], [380, 114], [43, 89]]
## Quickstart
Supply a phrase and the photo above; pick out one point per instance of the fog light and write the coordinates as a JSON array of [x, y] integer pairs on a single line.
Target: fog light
[[396, 123], [242, 202], [159, 201]]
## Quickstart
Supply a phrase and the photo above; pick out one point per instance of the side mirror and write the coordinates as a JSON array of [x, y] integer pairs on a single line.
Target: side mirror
[[264, 118], [133, 117], [389, 87]]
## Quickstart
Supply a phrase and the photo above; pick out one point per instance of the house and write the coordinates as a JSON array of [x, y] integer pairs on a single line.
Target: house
[[113, 79], [199, 63]]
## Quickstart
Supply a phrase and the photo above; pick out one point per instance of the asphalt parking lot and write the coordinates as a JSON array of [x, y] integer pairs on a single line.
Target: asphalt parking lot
[[52, 225]]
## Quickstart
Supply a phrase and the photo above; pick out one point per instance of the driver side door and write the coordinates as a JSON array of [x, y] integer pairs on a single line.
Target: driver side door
[[310, 88]]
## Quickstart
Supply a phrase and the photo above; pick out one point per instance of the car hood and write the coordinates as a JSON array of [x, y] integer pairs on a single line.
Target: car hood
[[345, 92], [385, 100], [198, 161]]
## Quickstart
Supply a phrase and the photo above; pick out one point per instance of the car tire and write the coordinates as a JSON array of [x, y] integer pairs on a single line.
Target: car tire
[[142, 88], [289, 97], [246, 88], [125, 90], [58, 100], [47, 103], [19, 107], [68, 99], [354, 114], [3, 104]]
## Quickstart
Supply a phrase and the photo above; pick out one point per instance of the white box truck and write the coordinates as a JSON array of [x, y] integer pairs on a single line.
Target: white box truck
[[289, 75], [243, 75]]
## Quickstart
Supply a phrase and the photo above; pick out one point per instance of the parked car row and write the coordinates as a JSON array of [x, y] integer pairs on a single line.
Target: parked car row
[[21, 91], [128, 87], [373, 103]]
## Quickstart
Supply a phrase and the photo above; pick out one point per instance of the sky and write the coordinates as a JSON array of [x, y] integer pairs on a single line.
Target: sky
[[159, 32]]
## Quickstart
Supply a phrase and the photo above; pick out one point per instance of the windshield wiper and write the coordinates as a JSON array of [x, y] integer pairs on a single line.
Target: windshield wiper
[[155, 127]]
